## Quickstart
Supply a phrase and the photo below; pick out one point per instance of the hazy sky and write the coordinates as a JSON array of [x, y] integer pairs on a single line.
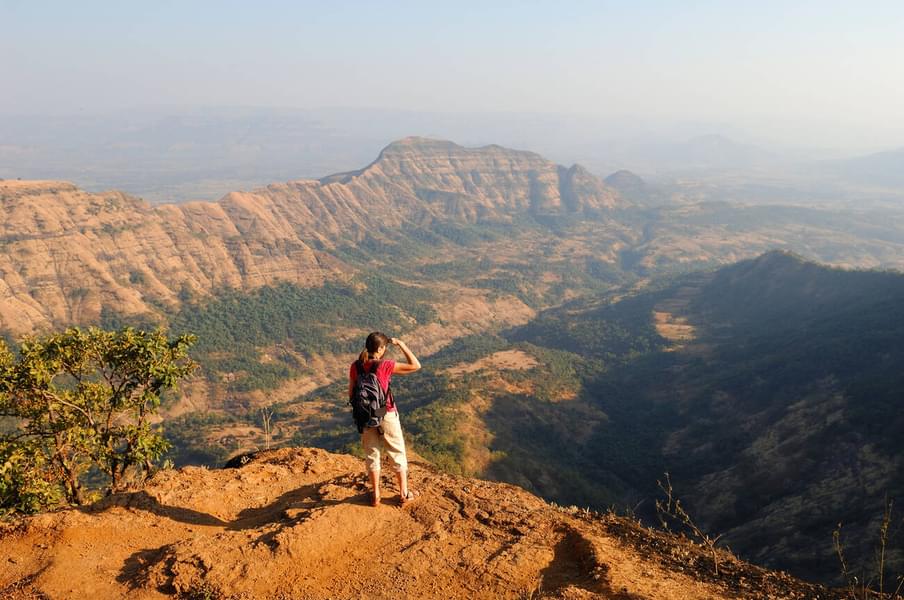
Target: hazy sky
[[825, 72]]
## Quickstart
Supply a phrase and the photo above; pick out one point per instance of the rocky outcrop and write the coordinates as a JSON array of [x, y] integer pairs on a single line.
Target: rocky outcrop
[[296, 523], [66, 254], [481, 184]]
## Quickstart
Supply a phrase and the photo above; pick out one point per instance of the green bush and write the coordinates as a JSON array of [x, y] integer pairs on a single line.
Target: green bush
[[82, 399]]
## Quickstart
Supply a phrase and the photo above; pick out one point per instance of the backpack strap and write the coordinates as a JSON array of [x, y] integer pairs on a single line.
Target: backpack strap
[[376, 365], [389, 397]]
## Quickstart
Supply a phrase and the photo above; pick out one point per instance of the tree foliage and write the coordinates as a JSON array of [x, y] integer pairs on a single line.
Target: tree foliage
[[82, 400]]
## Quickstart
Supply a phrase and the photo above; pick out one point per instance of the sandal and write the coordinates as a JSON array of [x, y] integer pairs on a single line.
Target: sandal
[[409, 497], [374, 499]]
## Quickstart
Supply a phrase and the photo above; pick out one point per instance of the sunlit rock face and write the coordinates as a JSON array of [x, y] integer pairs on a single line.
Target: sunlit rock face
[[66, 254]]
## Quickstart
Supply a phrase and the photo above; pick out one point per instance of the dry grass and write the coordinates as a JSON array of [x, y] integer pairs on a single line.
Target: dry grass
[[512, 360], [672, 328]]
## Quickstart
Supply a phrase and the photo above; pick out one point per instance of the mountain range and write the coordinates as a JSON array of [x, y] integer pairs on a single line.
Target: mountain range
[[67, 254], [579, 342]]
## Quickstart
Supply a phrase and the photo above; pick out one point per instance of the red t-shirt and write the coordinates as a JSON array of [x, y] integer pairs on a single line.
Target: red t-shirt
[[384, 375]]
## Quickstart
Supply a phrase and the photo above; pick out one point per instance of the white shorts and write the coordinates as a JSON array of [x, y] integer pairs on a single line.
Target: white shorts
[[391, 441]]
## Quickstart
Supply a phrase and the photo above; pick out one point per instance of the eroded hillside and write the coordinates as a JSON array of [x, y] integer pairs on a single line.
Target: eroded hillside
[[68, 255]]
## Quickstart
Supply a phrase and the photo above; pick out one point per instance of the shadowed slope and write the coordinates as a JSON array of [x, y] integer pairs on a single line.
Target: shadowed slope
[[770, 390]]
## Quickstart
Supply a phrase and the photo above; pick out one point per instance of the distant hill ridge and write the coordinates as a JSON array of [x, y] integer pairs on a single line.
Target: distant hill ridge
[[882, 169], [781, 284]]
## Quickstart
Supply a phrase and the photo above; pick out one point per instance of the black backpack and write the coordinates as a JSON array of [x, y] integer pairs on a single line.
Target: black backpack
[[368, 400]]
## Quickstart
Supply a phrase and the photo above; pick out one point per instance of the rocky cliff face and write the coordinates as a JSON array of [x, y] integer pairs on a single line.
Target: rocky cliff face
[[489, 183], [296, 523], [65, 253]]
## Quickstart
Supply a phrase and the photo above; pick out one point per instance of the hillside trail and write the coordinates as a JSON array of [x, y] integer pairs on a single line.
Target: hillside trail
[[296, 524]]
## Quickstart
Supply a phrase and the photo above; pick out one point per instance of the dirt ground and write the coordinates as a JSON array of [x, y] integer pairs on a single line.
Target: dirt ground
[[296, 523]]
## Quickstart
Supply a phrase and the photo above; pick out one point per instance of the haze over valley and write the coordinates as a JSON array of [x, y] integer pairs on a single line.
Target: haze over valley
[[174, 155]]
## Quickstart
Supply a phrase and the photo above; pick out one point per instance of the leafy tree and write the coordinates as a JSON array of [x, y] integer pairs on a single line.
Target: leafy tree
[[83, 399]]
